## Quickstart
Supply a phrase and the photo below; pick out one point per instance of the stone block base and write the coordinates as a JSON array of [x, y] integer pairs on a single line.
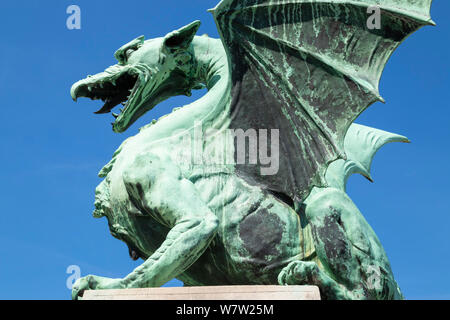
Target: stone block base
[[209, 293]]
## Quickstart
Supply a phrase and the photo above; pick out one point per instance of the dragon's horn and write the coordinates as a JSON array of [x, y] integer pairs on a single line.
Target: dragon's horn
[[182, 37]]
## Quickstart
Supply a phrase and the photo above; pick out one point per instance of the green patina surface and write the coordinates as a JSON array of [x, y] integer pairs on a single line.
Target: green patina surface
[[305, 68]]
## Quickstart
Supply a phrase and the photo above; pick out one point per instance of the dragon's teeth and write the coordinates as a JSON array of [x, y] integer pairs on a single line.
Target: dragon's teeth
[[115, 115]]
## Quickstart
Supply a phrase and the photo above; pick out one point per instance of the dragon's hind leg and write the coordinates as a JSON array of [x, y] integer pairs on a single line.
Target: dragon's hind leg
[[347, 248]]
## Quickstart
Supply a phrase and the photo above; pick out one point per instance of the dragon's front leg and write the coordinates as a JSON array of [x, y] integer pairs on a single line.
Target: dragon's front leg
[[192, 223]]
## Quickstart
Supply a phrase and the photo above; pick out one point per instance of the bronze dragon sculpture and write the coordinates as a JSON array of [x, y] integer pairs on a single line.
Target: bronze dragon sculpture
[[288, 76]]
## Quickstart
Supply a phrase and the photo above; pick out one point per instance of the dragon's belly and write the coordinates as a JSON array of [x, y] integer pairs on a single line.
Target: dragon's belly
[[257, 237]]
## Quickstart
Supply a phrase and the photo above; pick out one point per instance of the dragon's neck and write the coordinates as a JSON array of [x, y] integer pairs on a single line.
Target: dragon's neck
[[212, 109], [213, 71]]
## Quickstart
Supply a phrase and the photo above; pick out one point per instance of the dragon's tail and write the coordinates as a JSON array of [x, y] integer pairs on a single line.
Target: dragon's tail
[[361, 144]]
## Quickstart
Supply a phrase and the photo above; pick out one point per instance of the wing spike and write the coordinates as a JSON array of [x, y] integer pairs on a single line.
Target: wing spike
[[361, 145]]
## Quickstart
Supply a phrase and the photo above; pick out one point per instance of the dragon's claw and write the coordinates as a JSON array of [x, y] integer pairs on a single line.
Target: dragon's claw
[[299, 273], [92, 282]]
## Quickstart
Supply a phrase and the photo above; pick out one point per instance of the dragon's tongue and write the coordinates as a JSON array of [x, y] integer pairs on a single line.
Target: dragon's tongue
[[110, 103]]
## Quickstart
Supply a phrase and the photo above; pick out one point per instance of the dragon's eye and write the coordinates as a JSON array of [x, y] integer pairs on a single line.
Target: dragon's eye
[[128, 53], [124, 53]]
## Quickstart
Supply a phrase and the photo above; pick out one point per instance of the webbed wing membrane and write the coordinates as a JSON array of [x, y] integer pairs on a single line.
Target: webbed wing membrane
[[308, 68]]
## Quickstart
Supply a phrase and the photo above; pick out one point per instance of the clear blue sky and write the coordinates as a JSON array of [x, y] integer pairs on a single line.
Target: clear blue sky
[[52, 148]]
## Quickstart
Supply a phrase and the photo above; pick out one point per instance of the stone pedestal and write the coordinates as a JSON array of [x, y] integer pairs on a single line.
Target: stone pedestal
[[209, 293]]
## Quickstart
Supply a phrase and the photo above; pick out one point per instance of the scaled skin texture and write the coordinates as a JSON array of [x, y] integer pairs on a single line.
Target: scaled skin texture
[[294, 73]]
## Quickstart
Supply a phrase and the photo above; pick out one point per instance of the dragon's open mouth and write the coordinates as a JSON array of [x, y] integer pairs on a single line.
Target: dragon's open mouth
[[111, 90], [137, 87]]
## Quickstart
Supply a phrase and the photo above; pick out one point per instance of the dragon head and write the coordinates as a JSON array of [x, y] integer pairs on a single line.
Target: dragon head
[[147, 73]]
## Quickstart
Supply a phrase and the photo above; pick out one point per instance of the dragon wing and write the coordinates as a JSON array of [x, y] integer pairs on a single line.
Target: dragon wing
[[308, 68]]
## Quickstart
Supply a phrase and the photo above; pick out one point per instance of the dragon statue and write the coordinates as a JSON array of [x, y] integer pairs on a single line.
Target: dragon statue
[[290, 77]]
